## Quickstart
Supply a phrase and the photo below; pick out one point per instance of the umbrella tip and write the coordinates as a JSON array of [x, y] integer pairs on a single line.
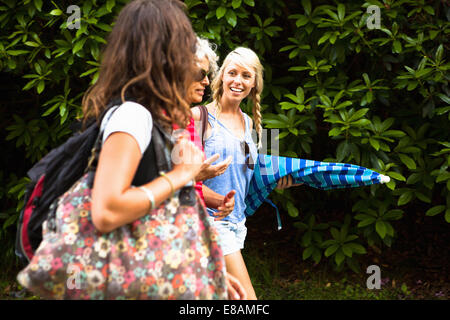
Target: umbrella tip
[[384, 179]]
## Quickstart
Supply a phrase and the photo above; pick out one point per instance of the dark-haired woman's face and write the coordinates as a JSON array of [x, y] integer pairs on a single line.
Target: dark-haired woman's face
[[197, 88]]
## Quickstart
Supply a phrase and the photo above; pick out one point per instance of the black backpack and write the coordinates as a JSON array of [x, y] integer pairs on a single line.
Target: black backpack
[[55, 173]]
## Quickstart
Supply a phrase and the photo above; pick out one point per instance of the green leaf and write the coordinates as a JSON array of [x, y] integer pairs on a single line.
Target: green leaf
[[394, 133], [331, 249], [341, 11], [343, 150], [307, 6], [339, 257], [10, 221], [38, 4], [335, 233], [307, 252], [381, 229], [301, 21], [397, 46], [374, 143], [358, 114], [220, 12], [405, 198], [110, 4], [88, 72], [347, 250], [409, 162], [435, 210], [236, 4], [357, 248], [443, 177], [40, 87], [396, 176], [394, 214], [231, 18], [300, 94], [31, 44], [17, 52], [324, 38], [334, 132], [103, 27], [292, 210], [79, 45], [429, 9], [366, 222], [56, 12]]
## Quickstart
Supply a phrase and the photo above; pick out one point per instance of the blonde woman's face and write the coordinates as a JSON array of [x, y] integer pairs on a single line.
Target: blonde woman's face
[[238, 81], [196, 90]]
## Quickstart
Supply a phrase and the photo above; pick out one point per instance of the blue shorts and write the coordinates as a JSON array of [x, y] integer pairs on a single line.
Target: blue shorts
[[231, 235]]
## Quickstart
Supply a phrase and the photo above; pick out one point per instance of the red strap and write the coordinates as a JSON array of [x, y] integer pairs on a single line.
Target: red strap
[[37, 192]]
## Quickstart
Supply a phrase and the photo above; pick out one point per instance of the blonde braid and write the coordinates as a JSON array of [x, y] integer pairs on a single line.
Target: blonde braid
[[256, 97]]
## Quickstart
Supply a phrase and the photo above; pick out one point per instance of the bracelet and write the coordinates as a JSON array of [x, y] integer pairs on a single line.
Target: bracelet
[[163, 174], [150, 197]]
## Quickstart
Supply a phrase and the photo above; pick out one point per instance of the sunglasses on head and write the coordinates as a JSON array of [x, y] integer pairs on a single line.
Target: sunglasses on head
[[201, 74], [248, 157]]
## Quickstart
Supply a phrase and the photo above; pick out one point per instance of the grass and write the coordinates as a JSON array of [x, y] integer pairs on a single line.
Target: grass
[[277, 279], [275, 276], [278, 272]]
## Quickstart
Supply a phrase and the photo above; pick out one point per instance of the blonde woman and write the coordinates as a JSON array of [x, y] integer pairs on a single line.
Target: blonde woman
[[229, 134]]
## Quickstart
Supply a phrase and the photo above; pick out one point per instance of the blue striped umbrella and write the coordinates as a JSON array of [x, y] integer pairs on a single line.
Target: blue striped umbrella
[[317, 174]]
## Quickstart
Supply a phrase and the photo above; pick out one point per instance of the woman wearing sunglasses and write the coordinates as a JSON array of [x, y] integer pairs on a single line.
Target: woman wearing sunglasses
[[223, 204], [207, 67], [229, 134]]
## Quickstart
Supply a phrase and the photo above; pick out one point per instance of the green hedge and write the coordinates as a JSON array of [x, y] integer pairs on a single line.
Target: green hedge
[[336, 89]]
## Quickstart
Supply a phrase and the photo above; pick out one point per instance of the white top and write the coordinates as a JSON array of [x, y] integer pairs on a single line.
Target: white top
[[131, 118]]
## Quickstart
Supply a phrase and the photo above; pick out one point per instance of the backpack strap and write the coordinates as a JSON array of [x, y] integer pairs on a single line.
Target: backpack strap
[[95, 152], [204, 122], [156, 157]]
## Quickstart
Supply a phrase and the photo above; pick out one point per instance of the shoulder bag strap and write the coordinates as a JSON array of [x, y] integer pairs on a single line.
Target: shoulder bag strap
[[204, 121]]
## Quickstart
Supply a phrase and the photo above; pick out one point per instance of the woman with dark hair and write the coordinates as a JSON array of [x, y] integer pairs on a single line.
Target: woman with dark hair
[[144, 60]]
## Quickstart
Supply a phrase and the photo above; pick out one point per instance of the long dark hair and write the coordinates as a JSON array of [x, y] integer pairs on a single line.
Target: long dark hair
[[145, 60]]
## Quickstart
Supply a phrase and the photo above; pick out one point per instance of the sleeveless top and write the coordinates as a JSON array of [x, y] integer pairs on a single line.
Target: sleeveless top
[[195, 138], [238, 175]]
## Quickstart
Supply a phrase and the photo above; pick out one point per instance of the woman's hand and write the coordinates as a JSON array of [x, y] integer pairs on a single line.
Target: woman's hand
[[286, 182], [226, 207], [209, 171], [187, 158], [235, 289]]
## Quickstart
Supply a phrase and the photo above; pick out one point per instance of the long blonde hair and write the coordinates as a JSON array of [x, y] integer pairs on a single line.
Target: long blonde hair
[[248, 59]]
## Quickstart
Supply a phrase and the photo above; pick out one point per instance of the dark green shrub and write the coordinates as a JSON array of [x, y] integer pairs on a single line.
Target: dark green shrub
[[374, 97]]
